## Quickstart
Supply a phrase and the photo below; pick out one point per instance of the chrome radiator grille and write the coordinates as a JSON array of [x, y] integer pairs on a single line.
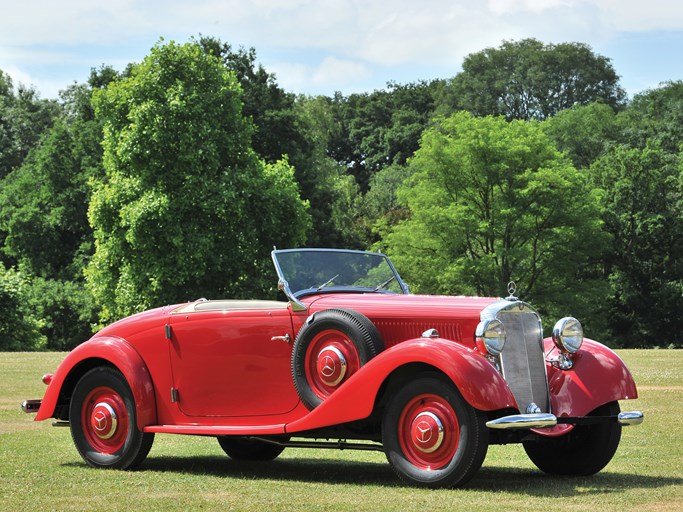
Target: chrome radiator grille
[[522, 359]]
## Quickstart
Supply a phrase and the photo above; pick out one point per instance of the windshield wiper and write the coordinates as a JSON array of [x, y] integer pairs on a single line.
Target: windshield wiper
[[384, 283], [326, 283]]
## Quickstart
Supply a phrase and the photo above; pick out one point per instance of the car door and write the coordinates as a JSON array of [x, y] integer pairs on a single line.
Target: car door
[[232, 362]]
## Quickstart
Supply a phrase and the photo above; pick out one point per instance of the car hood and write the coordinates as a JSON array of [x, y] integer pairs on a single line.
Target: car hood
[[401, 317], [403, 306]]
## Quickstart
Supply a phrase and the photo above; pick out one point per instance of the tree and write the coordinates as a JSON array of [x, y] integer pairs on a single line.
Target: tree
[[270, 108], [643, 211], [19, 326], [298, 128], [584, 132], [380, 208], [43, 211], [331, 191], [185, 209], [358, 136], [380, 128], [492, 201], [529, 80], [655, 115], [24, 117], [43, 205]]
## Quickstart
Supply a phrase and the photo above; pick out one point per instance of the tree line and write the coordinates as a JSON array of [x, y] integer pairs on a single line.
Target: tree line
[[174, 178]]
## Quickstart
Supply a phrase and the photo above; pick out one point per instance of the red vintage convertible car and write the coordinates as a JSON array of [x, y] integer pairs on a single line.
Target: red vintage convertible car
[[351, 361]]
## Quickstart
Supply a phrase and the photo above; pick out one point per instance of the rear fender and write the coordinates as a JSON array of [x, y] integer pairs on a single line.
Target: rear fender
[[597, 377], [476, 379], [103, 350]]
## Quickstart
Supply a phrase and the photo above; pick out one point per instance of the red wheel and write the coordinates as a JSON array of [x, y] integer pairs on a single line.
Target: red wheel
[[103, 421], [432, 437], [104, 418], [331, 346], [330, 359], [428, 431]]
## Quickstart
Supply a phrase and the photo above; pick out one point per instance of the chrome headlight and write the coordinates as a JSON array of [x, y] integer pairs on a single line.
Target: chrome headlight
[[490, 336], [568, 334]]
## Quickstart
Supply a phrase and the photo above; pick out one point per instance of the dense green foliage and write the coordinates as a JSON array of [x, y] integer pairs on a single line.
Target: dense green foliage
[[174, 179], [23, 119], [491, 202], [19, 328], [183, 192], [529, 80], [642, 212]]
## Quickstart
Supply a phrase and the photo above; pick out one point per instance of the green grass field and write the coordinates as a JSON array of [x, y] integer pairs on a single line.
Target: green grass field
[[41, 470]]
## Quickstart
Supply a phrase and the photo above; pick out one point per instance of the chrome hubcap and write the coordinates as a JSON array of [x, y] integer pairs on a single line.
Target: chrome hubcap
[[103, 420], [427, 432], [331, 365]]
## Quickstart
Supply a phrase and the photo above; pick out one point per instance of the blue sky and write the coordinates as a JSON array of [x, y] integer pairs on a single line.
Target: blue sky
[[323, 46]]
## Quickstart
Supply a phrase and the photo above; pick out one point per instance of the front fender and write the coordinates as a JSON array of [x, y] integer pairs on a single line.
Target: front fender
[[597, 377], [115, 351], [476, 379]]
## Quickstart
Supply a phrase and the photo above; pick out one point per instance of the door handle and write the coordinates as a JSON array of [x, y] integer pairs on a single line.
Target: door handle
[[284, 338]]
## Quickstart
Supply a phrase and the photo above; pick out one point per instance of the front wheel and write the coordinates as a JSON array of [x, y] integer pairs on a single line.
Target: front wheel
[[583, 451], [432, 437], [103, 421]]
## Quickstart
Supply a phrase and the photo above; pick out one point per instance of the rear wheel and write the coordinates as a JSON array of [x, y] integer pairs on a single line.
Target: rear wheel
[[103, 421], [583, 451], [244, 448], [432, 437]]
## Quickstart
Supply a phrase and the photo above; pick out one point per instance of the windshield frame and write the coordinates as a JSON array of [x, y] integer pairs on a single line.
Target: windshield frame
[[294, 297]]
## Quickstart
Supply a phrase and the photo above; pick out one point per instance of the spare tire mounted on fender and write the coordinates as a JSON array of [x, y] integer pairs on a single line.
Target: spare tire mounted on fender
[[330, 347]]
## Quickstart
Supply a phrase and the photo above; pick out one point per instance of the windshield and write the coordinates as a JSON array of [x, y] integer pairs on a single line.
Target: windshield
[[306, 271]]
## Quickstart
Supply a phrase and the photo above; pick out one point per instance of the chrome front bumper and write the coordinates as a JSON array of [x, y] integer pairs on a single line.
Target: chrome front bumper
[[544, 420]]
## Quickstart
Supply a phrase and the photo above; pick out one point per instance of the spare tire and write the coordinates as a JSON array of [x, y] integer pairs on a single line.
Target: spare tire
[[331, 346]]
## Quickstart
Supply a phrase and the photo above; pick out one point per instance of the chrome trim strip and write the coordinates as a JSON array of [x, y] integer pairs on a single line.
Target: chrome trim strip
[[518, 421], [341, 444], [630, 418]]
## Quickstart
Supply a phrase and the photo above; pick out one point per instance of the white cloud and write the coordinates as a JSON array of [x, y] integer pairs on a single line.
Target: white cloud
[[291, 76], [315, 40], [501, 7], [333, 71], [641, 16]]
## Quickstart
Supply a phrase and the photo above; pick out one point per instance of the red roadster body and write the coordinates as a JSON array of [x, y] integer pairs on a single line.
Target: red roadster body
[[431, 381]]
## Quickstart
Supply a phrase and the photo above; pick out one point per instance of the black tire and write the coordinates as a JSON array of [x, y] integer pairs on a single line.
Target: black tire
[[103, 421], [583, 451], [420, 453], [330, 347], [243, 448]]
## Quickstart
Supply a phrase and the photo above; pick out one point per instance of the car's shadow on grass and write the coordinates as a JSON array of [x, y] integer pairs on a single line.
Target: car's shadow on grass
[[536, 483], [488, 479], [299, 469]]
